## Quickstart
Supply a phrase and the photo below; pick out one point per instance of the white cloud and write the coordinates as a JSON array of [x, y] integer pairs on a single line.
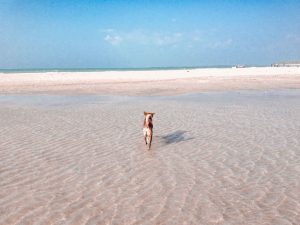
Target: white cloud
[[113, 39], [161, 38], [141, 37]]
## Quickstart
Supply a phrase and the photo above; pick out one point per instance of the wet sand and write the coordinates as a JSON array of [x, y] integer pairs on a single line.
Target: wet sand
[[216, 158]]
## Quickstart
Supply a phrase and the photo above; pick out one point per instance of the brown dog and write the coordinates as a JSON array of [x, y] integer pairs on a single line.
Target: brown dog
[[148, 128]]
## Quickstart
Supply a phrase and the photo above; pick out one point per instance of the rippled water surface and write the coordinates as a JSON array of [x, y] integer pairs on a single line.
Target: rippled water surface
[[216, 158]]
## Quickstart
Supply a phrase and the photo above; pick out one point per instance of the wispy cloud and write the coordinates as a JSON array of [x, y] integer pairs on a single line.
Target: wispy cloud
[[161, 38], [167, 39], [141, 37], [113, 39]]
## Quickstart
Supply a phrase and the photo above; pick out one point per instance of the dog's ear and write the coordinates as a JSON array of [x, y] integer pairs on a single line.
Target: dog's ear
[[145, 113], [152, 114]]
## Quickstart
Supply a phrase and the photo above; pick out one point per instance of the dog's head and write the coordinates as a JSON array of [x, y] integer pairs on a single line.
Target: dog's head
[[148, 116]]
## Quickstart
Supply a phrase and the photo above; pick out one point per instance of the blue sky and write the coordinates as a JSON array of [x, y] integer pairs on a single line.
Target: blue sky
[[90, 33]]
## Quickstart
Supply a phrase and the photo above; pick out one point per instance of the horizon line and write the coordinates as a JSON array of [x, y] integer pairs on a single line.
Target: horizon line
[[127, 68]]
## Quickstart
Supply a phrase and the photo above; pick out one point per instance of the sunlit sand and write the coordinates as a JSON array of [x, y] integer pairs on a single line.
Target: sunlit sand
[[161, 82]]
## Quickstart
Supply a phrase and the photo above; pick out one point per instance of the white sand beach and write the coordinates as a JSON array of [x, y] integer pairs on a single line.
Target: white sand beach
[[72, 150], [161, 82]]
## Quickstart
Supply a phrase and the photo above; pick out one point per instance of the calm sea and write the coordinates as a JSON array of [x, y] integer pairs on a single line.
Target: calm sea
[[41, 70]]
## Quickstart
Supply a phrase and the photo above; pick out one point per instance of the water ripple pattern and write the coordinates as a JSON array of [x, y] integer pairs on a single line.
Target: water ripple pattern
[[219, 158]]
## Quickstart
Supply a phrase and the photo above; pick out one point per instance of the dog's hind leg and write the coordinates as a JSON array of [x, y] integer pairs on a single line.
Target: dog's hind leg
[[150, 141], [145, 135]]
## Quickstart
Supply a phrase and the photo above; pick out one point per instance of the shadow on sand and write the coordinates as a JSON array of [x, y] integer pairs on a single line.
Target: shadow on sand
[[175, 137]]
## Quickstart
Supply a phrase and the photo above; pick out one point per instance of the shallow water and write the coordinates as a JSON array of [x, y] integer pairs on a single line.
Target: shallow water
[[216, 158]]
